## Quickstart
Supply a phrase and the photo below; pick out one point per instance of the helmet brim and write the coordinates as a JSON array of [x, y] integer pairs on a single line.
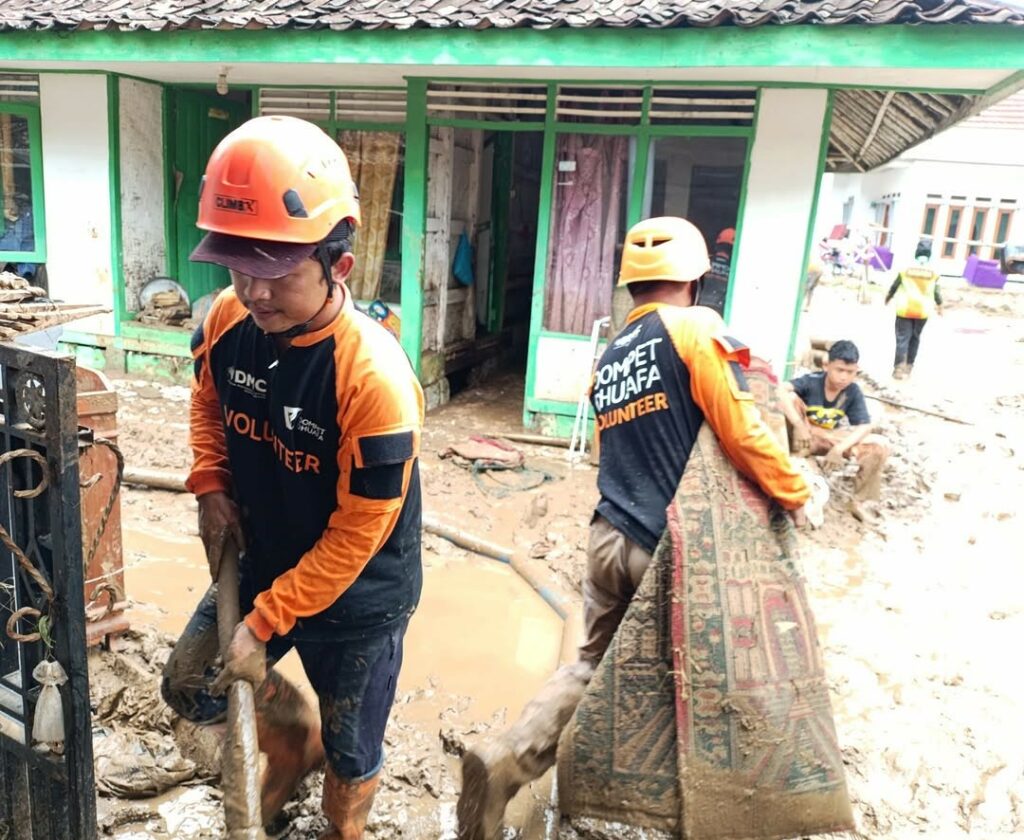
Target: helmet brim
[[259, 258]]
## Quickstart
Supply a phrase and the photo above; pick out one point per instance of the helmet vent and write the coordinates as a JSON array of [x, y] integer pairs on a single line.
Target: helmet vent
[[293, 204], [659, 241]]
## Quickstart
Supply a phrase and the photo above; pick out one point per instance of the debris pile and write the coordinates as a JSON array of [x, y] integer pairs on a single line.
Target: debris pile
[[168, 309], [25, 308]]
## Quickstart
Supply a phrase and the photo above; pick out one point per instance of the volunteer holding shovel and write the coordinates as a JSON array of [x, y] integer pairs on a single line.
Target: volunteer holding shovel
[[305, 427]]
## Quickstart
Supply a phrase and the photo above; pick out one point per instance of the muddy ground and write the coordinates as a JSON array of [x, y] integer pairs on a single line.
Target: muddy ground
[[919, 607]]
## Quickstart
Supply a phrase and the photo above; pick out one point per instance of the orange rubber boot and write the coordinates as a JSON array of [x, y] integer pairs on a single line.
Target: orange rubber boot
[[347, 806]]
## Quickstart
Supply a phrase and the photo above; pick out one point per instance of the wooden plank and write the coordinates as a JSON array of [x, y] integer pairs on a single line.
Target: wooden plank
[[97, 402], [468, 330], [437, 259]]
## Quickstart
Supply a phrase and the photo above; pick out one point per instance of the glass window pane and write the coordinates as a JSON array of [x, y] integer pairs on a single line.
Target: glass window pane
[[377, 162], [1003, 227], [979, 225], [952, 231], [588, 220], [700, 179], [18, 231], [929, 222]]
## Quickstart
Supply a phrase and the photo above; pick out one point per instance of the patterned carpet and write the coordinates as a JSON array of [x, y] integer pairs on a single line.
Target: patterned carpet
[[709, 716]]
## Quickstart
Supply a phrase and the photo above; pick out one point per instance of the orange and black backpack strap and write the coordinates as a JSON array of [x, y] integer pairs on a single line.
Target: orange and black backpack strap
[[719, 387]]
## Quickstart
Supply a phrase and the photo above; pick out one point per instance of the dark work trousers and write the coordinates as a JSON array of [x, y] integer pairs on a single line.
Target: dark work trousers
[[908, 337], [354, 679]]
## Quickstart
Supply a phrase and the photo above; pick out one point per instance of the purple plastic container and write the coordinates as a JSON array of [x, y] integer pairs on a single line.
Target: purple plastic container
[[988, 277], [881, 259], [984, 274]]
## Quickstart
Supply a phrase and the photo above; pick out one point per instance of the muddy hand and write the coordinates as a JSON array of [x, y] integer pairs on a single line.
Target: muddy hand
[[246, 659], [801, 443], [835, 459], [218, 521]]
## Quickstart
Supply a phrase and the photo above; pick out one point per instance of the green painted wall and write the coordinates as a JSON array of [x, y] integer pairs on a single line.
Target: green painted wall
[[928, 46]]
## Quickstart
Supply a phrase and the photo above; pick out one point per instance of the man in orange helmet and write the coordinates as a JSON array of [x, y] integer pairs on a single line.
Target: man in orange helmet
[[715, 285], [669, 370], [305, 427]]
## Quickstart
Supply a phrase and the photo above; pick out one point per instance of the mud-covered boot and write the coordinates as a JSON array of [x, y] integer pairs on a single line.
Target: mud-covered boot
[[907, 370], [491, 776], [898, 371], [347, 806], [492, 773], [288, 728]]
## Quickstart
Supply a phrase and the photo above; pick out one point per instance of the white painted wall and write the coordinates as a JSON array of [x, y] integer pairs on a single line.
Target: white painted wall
[[915, 180], [967, 144], [780, 194], [142, 185], [76, 177]]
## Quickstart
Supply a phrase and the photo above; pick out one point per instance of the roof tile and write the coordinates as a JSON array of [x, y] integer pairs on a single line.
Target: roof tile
[[482, 14]]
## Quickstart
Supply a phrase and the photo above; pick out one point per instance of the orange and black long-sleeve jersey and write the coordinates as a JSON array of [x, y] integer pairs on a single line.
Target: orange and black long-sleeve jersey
[[669, 370], [319, 447]]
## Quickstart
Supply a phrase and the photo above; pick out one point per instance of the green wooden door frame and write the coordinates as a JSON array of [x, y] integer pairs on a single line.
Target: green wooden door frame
[[30, 113], [414, 220], [116, 238], [547, 191], [191, 112], [501, 192], [741, 210]]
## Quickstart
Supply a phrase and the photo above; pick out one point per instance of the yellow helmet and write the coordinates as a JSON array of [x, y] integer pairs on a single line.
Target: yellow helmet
[[666, 248]]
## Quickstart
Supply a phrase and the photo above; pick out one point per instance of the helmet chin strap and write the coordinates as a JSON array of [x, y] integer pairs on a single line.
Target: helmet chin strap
[[300, 329]]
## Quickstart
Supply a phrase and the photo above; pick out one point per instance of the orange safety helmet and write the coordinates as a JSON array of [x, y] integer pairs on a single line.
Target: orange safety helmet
[[665, 248], [281, 181], [726, 236]]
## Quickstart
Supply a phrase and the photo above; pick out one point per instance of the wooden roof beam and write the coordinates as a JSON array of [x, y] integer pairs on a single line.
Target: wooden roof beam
[[886, 101], [845, 151]]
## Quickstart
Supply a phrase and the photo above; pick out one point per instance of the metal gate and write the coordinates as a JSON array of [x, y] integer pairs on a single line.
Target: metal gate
[[43, 794]]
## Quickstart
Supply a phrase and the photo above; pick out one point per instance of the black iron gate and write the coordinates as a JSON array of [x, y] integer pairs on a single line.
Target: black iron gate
[[44, 792]]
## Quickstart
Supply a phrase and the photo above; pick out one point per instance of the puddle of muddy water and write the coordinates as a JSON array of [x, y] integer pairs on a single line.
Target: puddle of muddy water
[[480, 630]]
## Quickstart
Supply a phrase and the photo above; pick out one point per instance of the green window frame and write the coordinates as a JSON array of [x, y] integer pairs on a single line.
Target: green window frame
[[417, 127], [335, 124], [645, 133], [30, 113]]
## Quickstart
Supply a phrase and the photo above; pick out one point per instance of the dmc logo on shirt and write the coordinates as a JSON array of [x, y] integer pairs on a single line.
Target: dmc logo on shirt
[[294, 423], [236, 205], [247, 382]]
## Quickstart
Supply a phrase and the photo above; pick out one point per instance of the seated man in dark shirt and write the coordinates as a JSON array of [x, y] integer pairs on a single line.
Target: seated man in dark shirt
[[829, 417]]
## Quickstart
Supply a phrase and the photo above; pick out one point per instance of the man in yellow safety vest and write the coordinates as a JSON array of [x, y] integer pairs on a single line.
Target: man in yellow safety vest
[[916, 290]]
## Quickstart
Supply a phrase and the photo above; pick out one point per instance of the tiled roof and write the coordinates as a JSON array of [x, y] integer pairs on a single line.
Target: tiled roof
[[484, 14]]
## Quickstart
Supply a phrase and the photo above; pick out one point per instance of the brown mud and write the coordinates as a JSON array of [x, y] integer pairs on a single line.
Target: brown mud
[[919, 606]]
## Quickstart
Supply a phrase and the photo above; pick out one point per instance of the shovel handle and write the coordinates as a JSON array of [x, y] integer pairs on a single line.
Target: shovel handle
[[240, 758]]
